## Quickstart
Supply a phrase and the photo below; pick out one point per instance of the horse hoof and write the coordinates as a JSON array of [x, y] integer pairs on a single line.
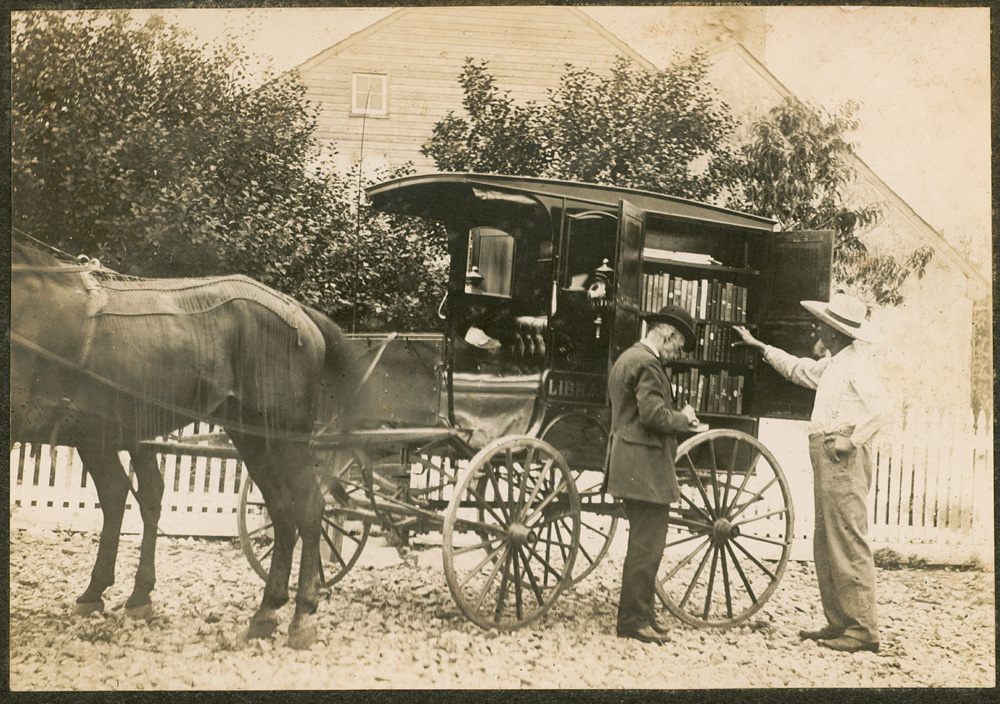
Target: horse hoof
[[140, 613], [301, 637], [262, 628], [85, 608]]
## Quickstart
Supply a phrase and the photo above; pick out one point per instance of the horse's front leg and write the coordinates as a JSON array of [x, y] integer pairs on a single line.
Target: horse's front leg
[[309, 505], [111, 481], [150, 497]]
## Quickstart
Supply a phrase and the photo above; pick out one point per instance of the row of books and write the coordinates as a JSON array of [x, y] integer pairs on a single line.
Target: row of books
[[715, 392], [713, 343], [702, 298]]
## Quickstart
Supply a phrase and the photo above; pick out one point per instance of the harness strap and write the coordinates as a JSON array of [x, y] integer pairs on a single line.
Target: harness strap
[[97, 298]]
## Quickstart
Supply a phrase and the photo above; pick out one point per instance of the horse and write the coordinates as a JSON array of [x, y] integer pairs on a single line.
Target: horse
[[102, 362]]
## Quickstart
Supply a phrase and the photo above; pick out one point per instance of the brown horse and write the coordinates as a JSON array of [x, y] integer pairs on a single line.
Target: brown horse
[[102, 362]]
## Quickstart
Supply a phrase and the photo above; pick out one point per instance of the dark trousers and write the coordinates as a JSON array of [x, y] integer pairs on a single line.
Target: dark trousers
[[647, 537]]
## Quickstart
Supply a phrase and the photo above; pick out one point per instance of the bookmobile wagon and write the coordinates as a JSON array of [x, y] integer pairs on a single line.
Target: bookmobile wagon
[[496, 433]]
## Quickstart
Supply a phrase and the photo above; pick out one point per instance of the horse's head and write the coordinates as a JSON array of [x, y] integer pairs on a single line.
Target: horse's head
[[47, 297]]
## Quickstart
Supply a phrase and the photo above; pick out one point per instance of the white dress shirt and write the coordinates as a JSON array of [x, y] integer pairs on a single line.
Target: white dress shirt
[[849, 393]]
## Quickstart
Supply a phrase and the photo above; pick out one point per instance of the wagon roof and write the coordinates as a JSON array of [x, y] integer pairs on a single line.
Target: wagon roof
[[447, 196]]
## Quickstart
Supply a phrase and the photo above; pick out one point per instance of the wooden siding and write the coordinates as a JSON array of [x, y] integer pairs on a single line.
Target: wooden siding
[[423, 50]]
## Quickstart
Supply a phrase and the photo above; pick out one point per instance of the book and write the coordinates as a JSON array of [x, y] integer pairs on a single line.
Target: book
[[678, 257], [724, 391]]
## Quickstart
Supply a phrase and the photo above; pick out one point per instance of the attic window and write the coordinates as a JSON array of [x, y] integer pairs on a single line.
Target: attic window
[[370, 94]]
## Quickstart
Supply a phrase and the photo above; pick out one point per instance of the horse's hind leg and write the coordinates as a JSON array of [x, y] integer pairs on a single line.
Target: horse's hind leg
[[278, 499], [309, 505], [150, 497], [111, 481]]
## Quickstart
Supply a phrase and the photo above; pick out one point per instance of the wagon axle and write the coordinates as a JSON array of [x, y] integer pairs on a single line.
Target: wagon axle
[[521, 535], [722, 531]]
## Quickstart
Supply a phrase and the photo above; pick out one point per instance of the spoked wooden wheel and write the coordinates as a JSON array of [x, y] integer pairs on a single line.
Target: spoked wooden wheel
[[730, 535], [342, 535], [583, 442], [511, 533]]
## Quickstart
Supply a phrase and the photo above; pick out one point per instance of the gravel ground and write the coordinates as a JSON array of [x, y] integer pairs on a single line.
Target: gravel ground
[[393, 624]]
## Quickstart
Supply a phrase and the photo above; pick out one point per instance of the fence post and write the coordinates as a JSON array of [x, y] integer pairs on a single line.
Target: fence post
[[983, 479]]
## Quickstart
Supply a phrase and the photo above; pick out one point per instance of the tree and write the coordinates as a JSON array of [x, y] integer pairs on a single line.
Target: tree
[[634, 127], [160, 157], [497, 137], [667, 131], [795, 166], [388, 272]]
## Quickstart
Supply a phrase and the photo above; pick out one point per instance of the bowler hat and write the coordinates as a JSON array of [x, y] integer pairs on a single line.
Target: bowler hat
[[847, 315], [679, 318]]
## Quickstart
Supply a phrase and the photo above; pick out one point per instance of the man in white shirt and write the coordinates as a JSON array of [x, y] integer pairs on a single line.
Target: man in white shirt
[[851, 405]]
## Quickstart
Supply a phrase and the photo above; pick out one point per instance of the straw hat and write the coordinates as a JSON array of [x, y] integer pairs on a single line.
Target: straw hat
[[846, 314]]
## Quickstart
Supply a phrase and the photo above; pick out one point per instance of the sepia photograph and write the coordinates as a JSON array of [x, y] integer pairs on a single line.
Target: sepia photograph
[[501, 347]]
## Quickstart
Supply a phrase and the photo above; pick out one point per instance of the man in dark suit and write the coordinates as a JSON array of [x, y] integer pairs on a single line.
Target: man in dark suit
[[642, 447]]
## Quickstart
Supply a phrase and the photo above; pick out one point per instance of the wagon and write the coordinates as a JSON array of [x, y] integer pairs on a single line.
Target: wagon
[[494, 434]]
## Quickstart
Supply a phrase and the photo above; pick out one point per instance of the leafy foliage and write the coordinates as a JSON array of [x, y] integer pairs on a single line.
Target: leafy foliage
[[132, 144], [497, 137], [388, 272], [795, 166], [633, 127]]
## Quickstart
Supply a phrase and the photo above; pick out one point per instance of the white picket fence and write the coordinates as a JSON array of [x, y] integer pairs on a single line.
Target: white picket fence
[[50, 489], [932, 494]]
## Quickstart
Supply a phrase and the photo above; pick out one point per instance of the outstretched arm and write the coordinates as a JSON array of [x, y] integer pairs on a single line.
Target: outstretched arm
[[804, 371]]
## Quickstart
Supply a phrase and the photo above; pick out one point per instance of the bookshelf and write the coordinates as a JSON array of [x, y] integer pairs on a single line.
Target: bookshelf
[[716, 376]]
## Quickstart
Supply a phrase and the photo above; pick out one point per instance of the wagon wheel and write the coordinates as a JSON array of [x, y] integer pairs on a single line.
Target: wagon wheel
[[583, 442], [730, 535], [511, 533], [342, 536]]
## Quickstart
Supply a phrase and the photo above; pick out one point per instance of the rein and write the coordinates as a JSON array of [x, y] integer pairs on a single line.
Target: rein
[[59, 268], [378, 357]]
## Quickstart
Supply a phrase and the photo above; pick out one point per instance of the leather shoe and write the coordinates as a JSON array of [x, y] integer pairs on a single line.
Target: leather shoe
[[660, 626], [645, 634], [822, 634], [848, 644]]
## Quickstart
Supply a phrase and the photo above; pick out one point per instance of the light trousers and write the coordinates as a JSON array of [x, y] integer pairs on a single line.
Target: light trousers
[[843, 559]]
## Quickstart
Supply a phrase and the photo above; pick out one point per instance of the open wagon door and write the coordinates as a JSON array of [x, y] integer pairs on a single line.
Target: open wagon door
[[799, 269], [625, 317]]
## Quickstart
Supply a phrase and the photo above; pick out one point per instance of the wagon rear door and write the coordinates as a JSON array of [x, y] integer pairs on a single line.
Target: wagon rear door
[[799, 269], [625, 318]]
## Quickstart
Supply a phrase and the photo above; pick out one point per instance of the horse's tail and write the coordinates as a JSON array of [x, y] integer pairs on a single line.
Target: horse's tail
[[341, 385]]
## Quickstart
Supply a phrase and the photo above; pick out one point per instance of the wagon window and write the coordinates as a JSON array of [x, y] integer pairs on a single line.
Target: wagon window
[[491, 252], [369, 94]]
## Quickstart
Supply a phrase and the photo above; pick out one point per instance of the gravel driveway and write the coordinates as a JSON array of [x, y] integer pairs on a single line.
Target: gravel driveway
[[392, 624]]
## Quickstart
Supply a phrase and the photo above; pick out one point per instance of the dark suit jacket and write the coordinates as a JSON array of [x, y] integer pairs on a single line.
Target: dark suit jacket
[[644, 427]]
